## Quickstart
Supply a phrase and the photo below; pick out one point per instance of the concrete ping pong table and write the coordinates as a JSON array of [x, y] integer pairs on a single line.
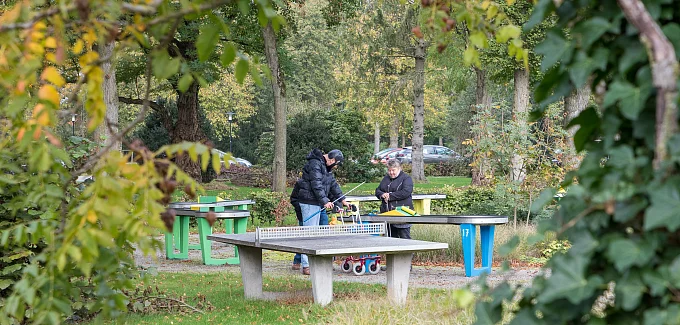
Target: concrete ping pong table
[[468, 231], [421, 202], [234, 213], [321, 243]]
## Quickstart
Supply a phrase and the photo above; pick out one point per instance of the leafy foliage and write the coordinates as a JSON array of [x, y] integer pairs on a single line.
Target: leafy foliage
[[68, 249], [620, 212], [271, 207]]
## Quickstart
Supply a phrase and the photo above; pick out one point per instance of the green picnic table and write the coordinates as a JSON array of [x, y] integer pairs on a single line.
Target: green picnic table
[[234, 213]]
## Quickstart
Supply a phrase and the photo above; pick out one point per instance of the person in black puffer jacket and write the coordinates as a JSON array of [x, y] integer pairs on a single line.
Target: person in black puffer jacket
[[318, 189], [395, 190]]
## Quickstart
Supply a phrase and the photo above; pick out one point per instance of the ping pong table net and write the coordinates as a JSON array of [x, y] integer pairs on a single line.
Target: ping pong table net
[[320, 231]]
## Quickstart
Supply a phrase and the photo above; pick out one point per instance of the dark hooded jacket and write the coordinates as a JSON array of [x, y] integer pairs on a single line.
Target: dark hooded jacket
[[317, 185], [401, 191]]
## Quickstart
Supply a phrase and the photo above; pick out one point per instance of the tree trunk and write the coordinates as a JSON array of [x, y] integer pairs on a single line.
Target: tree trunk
[[104, 134], [574, 104], [188, 128], [482, 100], [519, 171], [394, 131], [376, 138], [441, 141], [418, 170], [279, 89]]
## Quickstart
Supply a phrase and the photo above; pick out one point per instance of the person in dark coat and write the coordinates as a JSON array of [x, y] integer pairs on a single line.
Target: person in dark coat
[[395, 190], [323, 220], [318, 189]]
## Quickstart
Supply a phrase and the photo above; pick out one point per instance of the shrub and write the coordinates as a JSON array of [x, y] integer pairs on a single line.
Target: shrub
[[359, 171], [270, 207], [244, 176]]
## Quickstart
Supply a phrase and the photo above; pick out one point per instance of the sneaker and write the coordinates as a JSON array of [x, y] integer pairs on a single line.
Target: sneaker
[[296, 266], [305, 271]]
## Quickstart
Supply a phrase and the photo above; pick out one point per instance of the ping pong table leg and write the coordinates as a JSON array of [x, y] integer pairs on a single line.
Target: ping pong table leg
[[251, 271], [486, 234], [398, 272], [468, 235], [321, 268]]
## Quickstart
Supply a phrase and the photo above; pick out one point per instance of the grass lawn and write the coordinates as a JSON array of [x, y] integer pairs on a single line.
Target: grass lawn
[[221, 297]]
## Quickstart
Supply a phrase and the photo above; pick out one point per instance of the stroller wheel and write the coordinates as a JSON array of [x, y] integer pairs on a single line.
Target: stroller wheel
[[359, 268], [347, 266], [374, 268]]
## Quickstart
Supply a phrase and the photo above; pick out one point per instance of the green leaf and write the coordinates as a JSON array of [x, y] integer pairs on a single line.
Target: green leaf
[[228, 54], [674, 270], [164, 66], [5, 283], [507, 32], [588, 121], [554, 49], [486, 314], [655, 316], [207, 39], [625, 253], [665, 208], [629, 209], [478, 39], [241, 70], [509, 246], [568, 280], [656, 282], [590, 30], [672, 31], [244, 6], [632, 56], [583, 66], [630, 98], [629, 291], [546, 196], [525, 316], [185, 82]]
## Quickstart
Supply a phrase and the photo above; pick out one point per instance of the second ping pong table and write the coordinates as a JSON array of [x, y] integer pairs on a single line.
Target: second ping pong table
[[321, 248], [468, 232]]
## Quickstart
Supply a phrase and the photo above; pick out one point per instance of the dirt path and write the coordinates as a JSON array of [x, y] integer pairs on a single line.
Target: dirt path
[[278, 264]]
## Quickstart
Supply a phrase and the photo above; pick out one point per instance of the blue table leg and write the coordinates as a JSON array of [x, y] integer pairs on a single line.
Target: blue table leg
[[469, 234]]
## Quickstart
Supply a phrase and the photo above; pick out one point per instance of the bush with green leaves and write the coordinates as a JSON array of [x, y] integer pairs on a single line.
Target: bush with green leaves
[[270, 207], [621, 210]]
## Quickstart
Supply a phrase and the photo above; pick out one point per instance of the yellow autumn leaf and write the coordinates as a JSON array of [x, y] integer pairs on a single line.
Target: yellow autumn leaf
[[78, 47], [42, 115], [485, 4], [36, 48], [91, 216], [51, 43], [50, 57], [52, 75], [49, 93], [90, 37], [511, 2]]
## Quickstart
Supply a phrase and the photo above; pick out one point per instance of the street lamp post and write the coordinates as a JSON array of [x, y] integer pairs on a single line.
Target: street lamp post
[[73, 125], [231, 120]]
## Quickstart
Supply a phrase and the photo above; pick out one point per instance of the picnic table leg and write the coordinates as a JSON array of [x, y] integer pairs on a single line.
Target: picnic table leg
[[172, 240], [422, 206], [251, 272], [321, 268], [398, 272], [204, 230]]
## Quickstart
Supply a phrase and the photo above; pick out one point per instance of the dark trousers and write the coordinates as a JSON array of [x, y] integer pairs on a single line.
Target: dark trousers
[[400, 232]]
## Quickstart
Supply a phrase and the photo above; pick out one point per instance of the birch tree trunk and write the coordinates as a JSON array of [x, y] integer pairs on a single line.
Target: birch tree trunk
[[279, 89], [376, 138], [521, 109], [574, 104], [394, 131], [418, 170], [482, 100], [104, 134]]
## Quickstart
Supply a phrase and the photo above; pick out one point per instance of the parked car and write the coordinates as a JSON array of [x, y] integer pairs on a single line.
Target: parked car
[[380, 156], [233, 160], [431, 155]]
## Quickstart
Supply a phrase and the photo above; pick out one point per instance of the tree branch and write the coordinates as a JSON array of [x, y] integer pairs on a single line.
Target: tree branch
[[39, 16], [149, 9], [664, 72], [185, 11], [138, 101]]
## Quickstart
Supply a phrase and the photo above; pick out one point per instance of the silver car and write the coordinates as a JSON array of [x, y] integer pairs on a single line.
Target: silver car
[[431, 155]]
